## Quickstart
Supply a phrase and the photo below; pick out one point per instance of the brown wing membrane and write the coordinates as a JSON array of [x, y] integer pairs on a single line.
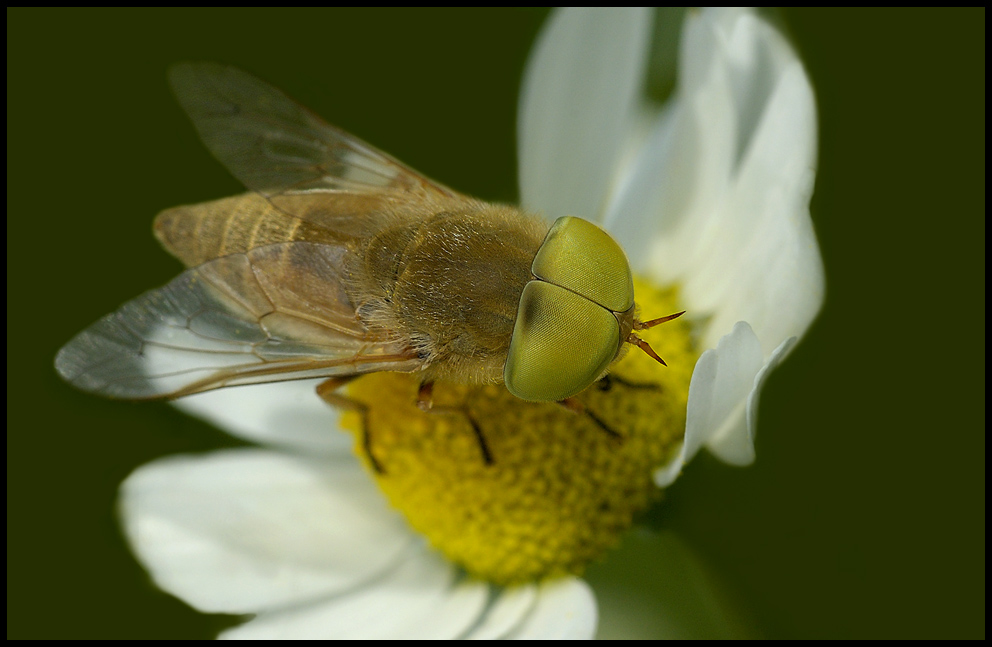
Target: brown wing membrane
[[197, 233], [275, 146], [274, 313]]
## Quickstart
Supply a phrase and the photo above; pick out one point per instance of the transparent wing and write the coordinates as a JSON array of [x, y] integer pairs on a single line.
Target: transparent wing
[[275, 146], [275, 313]]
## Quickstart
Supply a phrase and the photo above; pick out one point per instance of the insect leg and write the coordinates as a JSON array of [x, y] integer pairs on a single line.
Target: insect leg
[[425, 397], [425, 401], [575, 406], [327, 390], [606, 383]]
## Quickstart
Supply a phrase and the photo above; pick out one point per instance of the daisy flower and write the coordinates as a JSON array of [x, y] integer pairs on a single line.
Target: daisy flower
[[708, 194]]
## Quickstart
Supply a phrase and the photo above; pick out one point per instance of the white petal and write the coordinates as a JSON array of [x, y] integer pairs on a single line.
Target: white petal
[[721, 383], [565, 609], [704, 37], [756, 55], [579, 92], [637, 214], [752, 53], [241, 531], [763, 264], [684, 169], [417, 600], [283, 414], [754, 397], [735, 445], [507, 611], [723, 191]]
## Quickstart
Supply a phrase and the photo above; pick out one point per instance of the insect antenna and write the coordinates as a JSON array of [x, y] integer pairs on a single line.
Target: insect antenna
[[644, 325]]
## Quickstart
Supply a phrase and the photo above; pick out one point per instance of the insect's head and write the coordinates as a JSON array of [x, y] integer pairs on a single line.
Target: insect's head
[[575, 316]]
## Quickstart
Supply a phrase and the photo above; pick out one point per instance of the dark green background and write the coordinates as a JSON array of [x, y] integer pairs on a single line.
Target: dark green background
[[864, 514]]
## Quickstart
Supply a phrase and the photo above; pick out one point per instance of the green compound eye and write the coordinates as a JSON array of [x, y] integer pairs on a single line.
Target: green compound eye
[[561, 342], [581, 257]]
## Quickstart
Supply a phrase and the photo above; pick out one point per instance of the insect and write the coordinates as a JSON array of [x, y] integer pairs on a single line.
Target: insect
[[342, 261]]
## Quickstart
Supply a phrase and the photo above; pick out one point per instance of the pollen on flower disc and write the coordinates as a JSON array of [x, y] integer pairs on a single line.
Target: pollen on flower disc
[[560, 489]]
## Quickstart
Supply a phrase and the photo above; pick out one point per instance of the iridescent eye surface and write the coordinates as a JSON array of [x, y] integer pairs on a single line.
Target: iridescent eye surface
[[561, 343], [566, 333], [581, 257]]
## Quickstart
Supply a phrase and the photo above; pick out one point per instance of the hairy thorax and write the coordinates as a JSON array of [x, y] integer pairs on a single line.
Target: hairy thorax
[[449, 281]]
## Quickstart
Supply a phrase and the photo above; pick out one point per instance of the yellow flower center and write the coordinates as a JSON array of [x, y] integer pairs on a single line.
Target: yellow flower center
[[560, 488]]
